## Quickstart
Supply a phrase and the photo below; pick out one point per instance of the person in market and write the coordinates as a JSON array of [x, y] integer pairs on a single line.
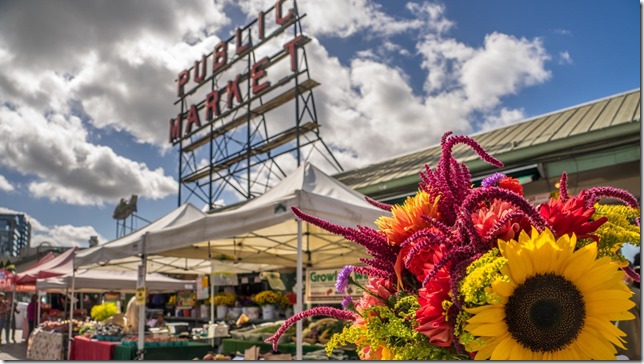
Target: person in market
[[12, 320], [633, 328], [132, 316], [4, 317], [32, 312]]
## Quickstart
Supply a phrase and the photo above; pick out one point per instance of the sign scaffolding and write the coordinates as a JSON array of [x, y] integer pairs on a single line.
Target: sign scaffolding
[[226, 142]]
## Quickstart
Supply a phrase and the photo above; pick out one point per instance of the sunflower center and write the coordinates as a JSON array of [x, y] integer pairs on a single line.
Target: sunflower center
[[545, 313]]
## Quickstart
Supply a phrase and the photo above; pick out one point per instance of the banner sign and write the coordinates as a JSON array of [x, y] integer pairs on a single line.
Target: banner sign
[[203, 288], [320, 286], [7, 280]]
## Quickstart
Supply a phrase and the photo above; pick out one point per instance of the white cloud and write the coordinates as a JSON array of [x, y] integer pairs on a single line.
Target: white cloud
[[504, 65], [565, 58], [504, 118], [5, 185], [67, 168], [66, 236]]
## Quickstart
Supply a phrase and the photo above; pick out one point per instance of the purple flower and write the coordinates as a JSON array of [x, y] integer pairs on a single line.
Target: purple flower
[[343, 278], [492, 180], [347, 302]]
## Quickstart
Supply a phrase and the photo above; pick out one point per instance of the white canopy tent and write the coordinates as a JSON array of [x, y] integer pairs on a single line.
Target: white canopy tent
[[265, 230], [131, 244], [98, 281]]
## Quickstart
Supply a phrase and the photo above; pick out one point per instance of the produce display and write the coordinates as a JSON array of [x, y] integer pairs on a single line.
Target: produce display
[[151, 342], [211, 356], [60, 325]]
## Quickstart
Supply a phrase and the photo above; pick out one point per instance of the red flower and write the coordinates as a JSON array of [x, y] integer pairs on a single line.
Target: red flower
[[571, 217], [487, 217], [431, 315], [511, 184]]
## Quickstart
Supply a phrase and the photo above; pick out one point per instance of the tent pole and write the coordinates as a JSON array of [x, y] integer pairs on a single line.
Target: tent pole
[[38, 309], [211, 294], [13, 307], [299, 289], [144, 262], [71, 313]]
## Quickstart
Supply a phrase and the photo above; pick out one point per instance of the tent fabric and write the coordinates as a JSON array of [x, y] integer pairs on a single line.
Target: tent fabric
[[264, 230], [131, 244], [176, 265], [57, 266], [96, 281]]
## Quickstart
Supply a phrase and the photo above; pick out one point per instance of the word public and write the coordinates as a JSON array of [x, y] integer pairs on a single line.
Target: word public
[[219, 60]]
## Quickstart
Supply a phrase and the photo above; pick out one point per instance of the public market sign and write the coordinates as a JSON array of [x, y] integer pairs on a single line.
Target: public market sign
[[320, 286], [237, 90]]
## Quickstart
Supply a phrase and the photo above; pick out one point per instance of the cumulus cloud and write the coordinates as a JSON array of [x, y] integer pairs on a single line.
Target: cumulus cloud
[[5, 185], [55, 151]]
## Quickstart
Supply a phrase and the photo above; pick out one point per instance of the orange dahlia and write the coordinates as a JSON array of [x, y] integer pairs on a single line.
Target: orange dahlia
[[407, 219]]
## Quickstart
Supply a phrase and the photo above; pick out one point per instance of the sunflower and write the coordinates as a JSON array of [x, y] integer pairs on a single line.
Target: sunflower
[[557, 304]]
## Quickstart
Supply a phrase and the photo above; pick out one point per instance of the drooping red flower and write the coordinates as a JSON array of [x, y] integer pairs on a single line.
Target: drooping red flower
[[571, 217]]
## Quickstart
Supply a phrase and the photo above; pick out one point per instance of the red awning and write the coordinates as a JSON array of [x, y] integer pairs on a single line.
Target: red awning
[[58, 266]]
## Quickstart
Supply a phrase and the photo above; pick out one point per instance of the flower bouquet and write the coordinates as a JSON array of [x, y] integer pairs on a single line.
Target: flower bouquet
[[267, 297], [224, 299], [464, 272]]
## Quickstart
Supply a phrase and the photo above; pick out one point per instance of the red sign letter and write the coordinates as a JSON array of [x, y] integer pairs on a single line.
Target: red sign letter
[[175, 128], [212, 105], [193, 118], [233, 90], [200, 75], [239, 48], [279, 19], [257, 72], [290, 47], [182, 79], [220, 56], [260, 25]]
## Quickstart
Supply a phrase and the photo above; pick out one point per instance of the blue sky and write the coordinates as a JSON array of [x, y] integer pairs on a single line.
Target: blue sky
[[87, 88]]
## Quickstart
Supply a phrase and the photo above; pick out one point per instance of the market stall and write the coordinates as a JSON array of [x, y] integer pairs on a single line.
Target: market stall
[[262, 230]]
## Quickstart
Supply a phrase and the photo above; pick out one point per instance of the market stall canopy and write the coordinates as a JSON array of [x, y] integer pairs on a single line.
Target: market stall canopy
[[131, 244], [60, 265], [264, 230], [96, 281]]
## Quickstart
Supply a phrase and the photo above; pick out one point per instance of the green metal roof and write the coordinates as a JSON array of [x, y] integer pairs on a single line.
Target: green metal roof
[[609, 121]]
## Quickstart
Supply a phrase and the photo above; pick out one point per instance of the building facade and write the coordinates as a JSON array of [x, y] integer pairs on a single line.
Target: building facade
[[15, 234]]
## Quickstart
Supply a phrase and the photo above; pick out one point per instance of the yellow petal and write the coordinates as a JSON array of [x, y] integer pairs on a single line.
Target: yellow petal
[[488, 316]]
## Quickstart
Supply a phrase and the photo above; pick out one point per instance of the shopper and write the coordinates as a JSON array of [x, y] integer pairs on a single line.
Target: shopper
[[32, 313], [4, 317], [12, 320]]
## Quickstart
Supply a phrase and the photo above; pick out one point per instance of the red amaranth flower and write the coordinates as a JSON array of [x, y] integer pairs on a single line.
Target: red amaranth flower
[[571, 216]]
